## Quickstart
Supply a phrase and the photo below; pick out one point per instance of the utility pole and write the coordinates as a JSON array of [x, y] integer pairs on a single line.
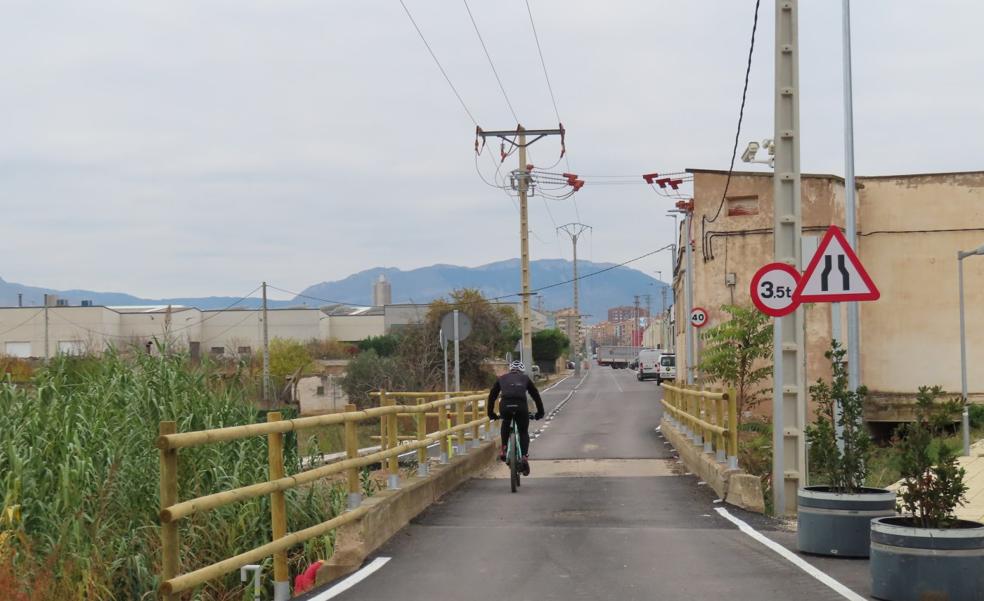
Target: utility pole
[[47, 354], [649, 313], [635, 320], [522, 186], [789, 408], [574, 230], [266, 350]]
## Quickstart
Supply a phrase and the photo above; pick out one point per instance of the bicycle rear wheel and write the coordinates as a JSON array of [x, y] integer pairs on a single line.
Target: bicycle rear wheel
[[513, 465]]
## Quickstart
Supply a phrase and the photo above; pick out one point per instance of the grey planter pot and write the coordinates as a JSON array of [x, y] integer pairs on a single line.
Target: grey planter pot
[[912, 564], [839, 524]]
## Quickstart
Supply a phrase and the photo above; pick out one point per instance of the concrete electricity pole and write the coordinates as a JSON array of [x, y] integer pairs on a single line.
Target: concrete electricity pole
[[522, 186], [47, 354], [789, 408], [266, 350], [635, 322], [574, 230]]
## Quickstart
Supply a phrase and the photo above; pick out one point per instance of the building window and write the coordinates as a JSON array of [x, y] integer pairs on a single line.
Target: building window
[[245, 351], [217, 351], [21, 350], [739, 206]]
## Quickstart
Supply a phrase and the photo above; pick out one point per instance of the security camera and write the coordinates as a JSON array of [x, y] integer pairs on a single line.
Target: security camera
[[749, 155]]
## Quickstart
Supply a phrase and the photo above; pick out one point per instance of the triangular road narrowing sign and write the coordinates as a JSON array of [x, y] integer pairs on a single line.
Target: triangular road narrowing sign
[[835, 274]]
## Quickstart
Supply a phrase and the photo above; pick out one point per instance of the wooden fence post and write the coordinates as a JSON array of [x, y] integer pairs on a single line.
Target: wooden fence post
[[169, 496], [352, 452], [278, 507]]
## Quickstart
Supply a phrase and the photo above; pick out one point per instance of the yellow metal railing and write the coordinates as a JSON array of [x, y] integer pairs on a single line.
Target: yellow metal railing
[[458, 418], [709, 418]]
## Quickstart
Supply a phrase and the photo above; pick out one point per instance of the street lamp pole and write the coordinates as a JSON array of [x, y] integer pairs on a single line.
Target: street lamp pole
[[965, 417]]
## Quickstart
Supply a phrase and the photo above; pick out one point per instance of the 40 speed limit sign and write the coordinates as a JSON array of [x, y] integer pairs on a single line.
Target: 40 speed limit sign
[[772, 289]]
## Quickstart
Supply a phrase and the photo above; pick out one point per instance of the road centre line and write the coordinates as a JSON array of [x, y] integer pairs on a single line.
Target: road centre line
[[351, 581], [792, 557]]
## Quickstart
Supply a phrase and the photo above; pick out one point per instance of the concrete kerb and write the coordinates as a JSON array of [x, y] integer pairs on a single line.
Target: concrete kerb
[[391, 510], [733, 485]]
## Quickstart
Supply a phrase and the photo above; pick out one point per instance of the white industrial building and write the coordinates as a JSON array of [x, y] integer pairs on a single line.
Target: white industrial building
[[45, 331]]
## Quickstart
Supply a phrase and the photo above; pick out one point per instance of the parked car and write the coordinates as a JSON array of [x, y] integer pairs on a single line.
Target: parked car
[[570, 365], [634, 364]]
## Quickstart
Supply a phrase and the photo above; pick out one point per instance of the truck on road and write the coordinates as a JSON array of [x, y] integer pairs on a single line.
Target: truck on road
[[618, 357]]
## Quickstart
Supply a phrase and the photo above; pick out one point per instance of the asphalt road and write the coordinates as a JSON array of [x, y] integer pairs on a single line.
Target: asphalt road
[[611, 516]]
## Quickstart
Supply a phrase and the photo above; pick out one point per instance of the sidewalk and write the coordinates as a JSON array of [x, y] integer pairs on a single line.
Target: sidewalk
[[974, 509]]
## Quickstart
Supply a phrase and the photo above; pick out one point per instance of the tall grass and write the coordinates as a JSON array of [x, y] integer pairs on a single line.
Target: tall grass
[[77, 455]]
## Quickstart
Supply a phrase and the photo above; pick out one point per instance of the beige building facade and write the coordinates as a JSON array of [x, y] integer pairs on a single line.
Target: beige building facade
[[910, 229]]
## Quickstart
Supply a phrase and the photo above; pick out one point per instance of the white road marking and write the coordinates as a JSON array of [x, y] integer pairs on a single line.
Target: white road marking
[[796, 560], [617, 385], [351, 580]]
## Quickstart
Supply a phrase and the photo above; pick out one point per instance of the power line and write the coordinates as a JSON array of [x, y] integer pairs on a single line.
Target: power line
[[741, 114], [36, 313], [438, 63], [502, 88], [543, 63]]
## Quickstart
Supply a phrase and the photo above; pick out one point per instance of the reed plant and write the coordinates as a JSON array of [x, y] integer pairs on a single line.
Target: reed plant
[[77, 457]]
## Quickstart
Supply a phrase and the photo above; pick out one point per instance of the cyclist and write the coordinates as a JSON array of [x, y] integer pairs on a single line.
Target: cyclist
[[513, 387]]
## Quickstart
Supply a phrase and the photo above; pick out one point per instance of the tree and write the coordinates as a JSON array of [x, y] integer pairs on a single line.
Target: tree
[[845, 471], [385, 345], [733, 350], [550, 344], [287, 357], [368, 372]]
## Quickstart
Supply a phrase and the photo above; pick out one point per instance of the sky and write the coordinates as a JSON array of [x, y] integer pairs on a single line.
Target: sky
[[188, 148]]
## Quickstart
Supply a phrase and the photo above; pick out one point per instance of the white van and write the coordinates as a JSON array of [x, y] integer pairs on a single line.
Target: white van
[[648, 367]]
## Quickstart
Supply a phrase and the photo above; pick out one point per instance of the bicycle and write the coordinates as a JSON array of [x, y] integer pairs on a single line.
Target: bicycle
[[514, 455]]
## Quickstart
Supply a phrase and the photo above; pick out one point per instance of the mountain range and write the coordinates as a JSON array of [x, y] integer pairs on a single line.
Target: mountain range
[[611, 286]]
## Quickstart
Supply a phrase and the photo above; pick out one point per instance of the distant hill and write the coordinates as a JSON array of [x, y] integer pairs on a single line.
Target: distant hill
[[612, 288], [597, 293]]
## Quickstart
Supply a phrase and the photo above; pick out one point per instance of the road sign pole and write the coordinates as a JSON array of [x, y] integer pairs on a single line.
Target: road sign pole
[[835, 334], [457, 357], [789, 381], [850, 194]]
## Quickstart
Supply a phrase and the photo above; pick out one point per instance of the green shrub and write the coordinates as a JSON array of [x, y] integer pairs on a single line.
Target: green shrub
[[932, 479], [844, 466]]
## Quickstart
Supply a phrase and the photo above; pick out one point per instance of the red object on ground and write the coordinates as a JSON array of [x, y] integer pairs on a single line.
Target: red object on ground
[[305, 581]]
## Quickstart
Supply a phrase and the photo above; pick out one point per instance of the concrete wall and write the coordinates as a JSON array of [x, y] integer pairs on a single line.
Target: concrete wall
[[352, 328], [910, 337]]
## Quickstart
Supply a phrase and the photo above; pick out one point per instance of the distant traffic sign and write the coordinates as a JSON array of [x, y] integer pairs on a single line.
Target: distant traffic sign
[[835, 274], [772, 289], [698, 317]]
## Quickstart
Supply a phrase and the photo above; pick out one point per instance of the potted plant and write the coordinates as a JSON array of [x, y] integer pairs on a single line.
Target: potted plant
[[928, 553], [834, 516]]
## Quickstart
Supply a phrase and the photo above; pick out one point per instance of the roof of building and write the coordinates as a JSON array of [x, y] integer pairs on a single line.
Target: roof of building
[[836, 177]]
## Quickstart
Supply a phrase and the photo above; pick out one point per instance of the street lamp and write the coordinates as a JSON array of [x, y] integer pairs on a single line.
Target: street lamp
[[961, 255]]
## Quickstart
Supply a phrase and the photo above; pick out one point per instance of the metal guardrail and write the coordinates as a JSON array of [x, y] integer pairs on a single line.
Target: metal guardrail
[[462, 425], [709, 418]]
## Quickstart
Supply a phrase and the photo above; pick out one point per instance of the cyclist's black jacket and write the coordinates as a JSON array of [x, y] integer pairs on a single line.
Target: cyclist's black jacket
[[514, 386]]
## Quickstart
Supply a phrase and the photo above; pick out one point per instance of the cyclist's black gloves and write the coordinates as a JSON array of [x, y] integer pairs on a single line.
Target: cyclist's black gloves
[[539, 415], [493, 416]]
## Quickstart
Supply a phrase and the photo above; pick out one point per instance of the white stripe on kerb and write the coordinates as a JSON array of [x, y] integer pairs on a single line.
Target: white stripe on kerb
[[352, 580], [793, 558]]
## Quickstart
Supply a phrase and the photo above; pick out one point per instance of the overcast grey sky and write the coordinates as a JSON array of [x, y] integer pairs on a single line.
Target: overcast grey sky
[[197, 147]]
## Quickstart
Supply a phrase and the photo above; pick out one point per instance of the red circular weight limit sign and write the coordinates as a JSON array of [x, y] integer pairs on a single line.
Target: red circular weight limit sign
[[698, 317], [772, 289]]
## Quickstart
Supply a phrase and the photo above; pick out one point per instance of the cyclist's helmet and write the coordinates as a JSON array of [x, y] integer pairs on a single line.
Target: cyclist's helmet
[[517, 366]]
